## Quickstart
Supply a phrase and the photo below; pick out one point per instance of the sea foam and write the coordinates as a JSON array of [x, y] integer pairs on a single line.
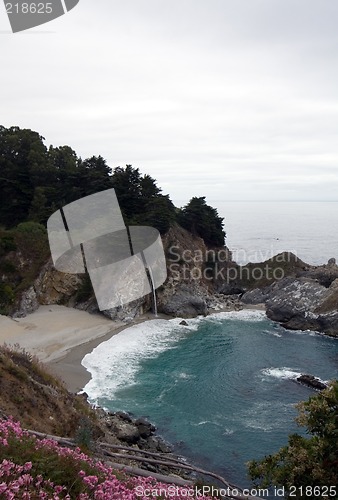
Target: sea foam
[[281, 373], [114, 363]]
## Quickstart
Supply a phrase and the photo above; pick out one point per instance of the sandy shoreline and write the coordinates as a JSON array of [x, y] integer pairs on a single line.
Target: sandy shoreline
[[69, 366], [61, 337]]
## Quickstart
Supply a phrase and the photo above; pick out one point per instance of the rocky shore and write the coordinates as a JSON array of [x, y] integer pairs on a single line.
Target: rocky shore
[[202, 280], [308, 300]]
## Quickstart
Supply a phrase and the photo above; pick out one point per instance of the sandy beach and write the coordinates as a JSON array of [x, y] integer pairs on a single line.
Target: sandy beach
[[61, 337]]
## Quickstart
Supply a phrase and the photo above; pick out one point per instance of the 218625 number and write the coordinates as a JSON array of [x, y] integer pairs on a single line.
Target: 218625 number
[[29, 8], [313, 491]]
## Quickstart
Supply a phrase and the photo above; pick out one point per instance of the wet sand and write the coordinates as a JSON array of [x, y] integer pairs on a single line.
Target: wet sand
[[61, 337]]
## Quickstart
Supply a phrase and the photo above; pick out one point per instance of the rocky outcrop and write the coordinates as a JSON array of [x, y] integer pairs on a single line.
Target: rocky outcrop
[[139, 432], [128, 312], [28, 303], [293, 297], [307, 301], [189, 287], [187, 292], [202, 280], [312, 382], [324, 275], [51, 287], [185, 300], [302, 304]]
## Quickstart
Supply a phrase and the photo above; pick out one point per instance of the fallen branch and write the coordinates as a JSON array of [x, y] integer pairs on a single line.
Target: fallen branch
[[168, 462], [135, 471], [142, 452], [58, 439]]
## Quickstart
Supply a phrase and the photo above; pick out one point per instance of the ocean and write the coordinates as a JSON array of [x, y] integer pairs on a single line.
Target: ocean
[[222, 389], [258, 230]]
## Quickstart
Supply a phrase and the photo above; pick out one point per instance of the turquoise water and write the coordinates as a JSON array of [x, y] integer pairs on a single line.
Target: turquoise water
[[221, 390]]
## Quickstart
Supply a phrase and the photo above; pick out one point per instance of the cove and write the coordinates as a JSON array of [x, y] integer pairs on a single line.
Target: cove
[[221, 389]]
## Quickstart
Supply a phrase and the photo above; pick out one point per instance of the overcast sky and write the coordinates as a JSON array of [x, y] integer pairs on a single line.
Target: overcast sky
[[232, 99]]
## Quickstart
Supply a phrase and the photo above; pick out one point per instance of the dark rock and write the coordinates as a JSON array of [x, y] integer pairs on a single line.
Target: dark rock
[[28, 303], [332, 262], [125, 431], [186, 302], [123, 415], [149, 444], [156, 444], [256, 296], [145, 428], [291, 297], [311, 381], [151, 468], [126, 312], [183, 323], [298, 304], [163, 447], [229, 289], [325, 275]]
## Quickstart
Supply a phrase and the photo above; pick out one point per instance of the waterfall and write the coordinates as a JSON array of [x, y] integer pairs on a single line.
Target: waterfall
[[151, 279]]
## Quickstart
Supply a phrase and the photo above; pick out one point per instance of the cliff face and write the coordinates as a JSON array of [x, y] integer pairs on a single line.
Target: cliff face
[[31, 394], [307, 300], [200, 280], [188, 290]]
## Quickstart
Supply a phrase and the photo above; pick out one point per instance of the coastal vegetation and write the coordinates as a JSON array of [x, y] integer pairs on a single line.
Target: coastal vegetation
[[307, 466], [36, 180], [32, 468]]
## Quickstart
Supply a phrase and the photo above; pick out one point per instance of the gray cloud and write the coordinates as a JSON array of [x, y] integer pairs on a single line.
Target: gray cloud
[[231, 99]]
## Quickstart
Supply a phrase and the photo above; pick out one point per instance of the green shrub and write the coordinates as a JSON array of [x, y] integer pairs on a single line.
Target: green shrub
[[83, 436], [7, 295], [85, 291], [7, 244], [31, 227], [304, 461]]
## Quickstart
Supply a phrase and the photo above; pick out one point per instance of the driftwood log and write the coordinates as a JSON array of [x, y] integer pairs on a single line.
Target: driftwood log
[[148, 458]]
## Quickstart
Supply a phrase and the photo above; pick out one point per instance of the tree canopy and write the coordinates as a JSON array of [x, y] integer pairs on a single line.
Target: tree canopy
[[36, 180], [202, 220]]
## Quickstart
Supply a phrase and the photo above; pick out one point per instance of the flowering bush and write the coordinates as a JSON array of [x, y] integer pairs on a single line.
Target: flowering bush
[[32, 469]]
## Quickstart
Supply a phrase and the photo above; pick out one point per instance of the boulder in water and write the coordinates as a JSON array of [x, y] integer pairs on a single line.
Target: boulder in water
[[312, 382]]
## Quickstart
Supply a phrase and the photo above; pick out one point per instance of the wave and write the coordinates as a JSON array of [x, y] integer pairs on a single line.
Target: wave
[[185, 376], [114, 364], [226, 430], [281, 373], [275, 334], [286, 373], [252, 315]]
